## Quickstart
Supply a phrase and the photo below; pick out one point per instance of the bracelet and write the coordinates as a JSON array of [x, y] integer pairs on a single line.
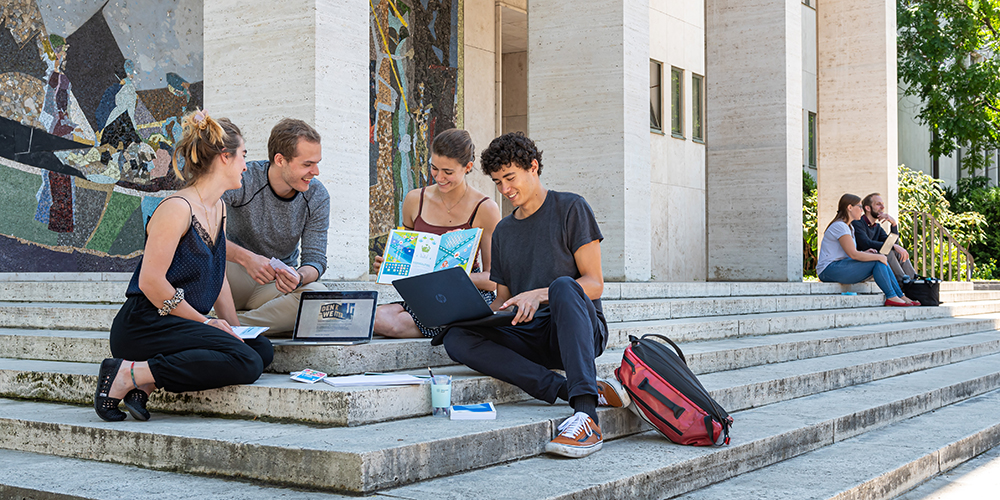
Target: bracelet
[[170, 304], [207, 321]]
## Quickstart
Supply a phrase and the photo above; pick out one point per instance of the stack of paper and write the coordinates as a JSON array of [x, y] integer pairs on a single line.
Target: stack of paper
[[249, 332], [363, 380]]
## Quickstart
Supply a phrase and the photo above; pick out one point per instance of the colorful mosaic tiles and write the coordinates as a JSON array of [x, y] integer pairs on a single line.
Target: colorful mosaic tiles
[[414, 83], [91, 95]]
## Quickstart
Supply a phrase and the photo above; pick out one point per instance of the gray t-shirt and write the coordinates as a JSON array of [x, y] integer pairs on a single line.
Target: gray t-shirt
[[531, 253], [271, 226], [831, 250]]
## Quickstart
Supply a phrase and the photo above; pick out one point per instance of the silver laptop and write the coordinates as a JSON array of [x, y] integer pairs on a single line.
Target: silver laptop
[[333, 318], [889, 242]]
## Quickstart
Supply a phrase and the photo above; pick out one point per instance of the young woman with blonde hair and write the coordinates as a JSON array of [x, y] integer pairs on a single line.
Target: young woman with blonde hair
[[162, 336]]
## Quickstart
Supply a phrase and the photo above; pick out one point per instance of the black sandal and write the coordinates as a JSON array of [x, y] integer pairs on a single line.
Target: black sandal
[[135, 403], [107, 408]]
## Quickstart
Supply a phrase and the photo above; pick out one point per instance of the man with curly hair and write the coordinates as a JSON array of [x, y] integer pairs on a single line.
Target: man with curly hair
[[547, 263]]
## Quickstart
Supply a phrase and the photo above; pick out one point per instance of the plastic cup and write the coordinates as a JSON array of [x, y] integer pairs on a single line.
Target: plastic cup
[[440, 395]]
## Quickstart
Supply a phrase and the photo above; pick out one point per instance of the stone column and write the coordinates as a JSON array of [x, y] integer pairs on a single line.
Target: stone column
[[754, 137], [588, 105], [305, 59], [857, 115]]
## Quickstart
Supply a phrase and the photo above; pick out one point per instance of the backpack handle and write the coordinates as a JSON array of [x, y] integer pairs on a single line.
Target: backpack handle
[[680, 354]]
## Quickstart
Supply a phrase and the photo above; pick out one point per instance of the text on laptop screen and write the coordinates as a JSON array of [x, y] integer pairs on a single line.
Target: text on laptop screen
[[348, 318]]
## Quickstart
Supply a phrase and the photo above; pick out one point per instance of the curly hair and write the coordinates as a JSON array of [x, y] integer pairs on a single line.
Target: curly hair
[[511, 148]]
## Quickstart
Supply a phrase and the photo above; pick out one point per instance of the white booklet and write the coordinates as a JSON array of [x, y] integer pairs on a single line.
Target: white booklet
[[248, 332]]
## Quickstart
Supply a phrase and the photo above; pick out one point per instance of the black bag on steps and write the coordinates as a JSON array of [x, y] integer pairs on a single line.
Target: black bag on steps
[[927, 293]]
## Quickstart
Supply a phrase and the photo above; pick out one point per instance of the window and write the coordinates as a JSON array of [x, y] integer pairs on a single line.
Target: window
[[697, 108], [655, 96], [811, 139], [677, 102]]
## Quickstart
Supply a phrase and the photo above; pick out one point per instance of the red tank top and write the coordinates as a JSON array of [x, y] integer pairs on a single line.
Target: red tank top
[[420, 225]]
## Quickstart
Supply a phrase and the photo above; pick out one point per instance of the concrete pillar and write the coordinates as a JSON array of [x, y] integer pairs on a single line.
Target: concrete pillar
[[588, 106], [857, 116], [305, 59], [754, 160]]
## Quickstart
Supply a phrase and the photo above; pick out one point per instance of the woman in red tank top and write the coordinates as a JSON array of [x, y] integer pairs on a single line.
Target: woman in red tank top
[[448, 204]]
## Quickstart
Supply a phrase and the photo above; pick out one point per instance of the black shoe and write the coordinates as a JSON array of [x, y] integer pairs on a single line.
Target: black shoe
[[107, 408], [135, 403]]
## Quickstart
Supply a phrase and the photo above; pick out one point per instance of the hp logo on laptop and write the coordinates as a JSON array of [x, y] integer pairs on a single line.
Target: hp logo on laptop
[[441, 298]]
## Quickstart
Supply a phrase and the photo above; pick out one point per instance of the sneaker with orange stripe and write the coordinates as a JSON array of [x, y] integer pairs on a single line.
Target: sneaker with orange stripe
[[611, 393], [578, 437]]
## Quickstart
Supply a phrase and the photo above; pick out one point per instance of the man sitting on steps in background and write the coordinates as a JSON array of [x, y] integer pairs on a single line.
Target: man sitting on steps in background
[[870, 236], [547, 262], [280, 207]]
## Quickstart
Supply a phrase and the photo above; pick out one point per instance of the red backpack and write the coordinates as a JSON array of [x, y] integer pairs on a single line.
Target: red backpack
[[667, 395]]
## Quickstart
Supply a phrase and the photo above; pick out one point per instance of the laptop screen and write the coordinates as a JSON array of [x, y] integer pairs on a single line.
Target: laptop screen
[[335, 316]]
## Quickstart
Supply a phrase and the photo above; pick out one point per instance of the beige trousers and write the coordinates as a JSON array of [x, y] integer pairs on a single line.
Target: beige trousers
[[264, 305]]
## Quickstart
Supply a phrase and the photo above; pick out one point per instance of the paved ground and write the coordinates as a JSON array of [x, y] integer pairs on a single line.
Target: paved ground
[[977, 479]]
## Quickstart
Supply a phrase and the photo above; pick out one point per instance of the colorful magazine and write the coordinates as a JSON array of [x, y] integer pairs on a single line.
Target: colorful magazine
[[412, 253]]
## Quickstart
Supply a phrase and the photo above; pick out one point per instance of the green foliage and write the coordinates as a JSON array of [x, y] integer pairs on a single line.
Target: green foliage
[[946, 58], [919, 192], [986, 270], [974, 195], [809, 233]]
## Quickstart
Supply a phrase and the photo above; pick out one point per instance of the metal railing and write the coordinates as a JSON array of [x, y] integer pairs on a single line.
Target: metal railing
[[934, 245]]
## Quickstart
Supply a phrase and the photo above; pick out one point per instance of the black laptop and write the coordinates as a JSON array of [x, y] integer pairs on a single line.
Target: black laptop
[[449, 297], [333, 318]]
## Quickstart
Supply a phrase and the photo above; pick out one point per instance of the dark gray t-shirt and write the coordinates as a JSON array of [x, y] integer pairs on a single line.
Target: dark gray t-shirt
[[531, 253]]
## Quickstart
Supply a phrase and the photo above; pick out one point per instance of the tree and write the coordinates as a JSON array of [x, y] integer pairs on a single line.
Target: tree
[[947, 57]]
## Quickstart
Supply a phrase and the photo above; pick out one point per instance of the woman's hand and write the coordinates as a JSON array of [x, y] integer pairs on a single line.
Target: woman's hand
[[223, 325], [378, 263]]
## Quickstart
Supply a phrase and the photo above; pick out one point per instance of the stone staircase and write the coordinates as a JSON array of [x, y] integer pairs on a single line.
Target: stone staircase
[[855, 399]]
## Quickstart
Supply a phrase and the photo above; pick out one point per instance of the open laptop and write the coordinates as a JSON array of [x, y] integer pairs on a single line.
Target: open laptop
[[333, 318], [889, 242], [447, 297]]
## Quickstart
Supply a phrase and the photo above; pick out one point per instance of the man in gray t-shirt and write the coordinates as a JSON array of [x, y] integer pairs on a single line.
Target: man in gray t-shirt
[[281, 211], [546, 261]]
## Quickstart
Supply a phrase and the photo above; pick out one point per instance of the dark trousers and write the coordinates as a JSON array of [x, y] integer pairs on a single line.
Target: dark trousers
[[568, 336], [186, 355]]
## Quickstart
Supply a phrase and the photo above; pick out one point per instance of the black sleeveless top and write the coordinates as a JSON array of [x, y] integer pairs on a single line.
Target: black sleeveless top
[[198, 267]]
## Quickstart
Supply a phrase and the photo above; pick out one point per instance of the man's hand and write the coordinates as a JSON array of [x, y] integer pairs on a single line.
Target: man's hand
[[259, 268], [903, 254], [285, 281], [527, 304], [884, 216], [378, 263]]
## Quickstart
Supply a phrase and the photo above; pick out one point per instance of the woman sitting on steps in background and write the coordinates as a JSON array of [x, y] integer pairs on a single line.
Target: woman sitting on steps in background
[[448, 204], [162, 330], [840, 260]]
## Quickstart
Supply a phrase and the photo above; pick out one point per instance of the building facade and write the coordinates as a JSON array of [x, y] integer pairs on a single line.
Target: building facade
[[686, 125]]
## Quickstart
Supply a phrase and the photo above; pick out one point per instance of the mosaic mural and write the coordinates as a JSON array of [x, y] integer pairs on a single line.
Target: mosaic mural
[[91, 95], [415, 90]]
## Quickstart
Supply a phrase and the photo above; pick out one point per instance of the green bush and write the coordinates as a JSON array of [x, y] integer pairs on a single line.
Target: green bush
[[974, 195], [809, 233]]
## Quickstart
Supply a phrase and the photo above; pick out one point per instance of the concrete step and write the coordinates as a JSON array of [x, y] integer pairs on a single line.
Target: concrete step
[[110, 288], [974, 479], [851, 468], [30, 476], [86, 316], [383, 355], [385, 455], [646, 466], [277, 397], [968, 296]]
